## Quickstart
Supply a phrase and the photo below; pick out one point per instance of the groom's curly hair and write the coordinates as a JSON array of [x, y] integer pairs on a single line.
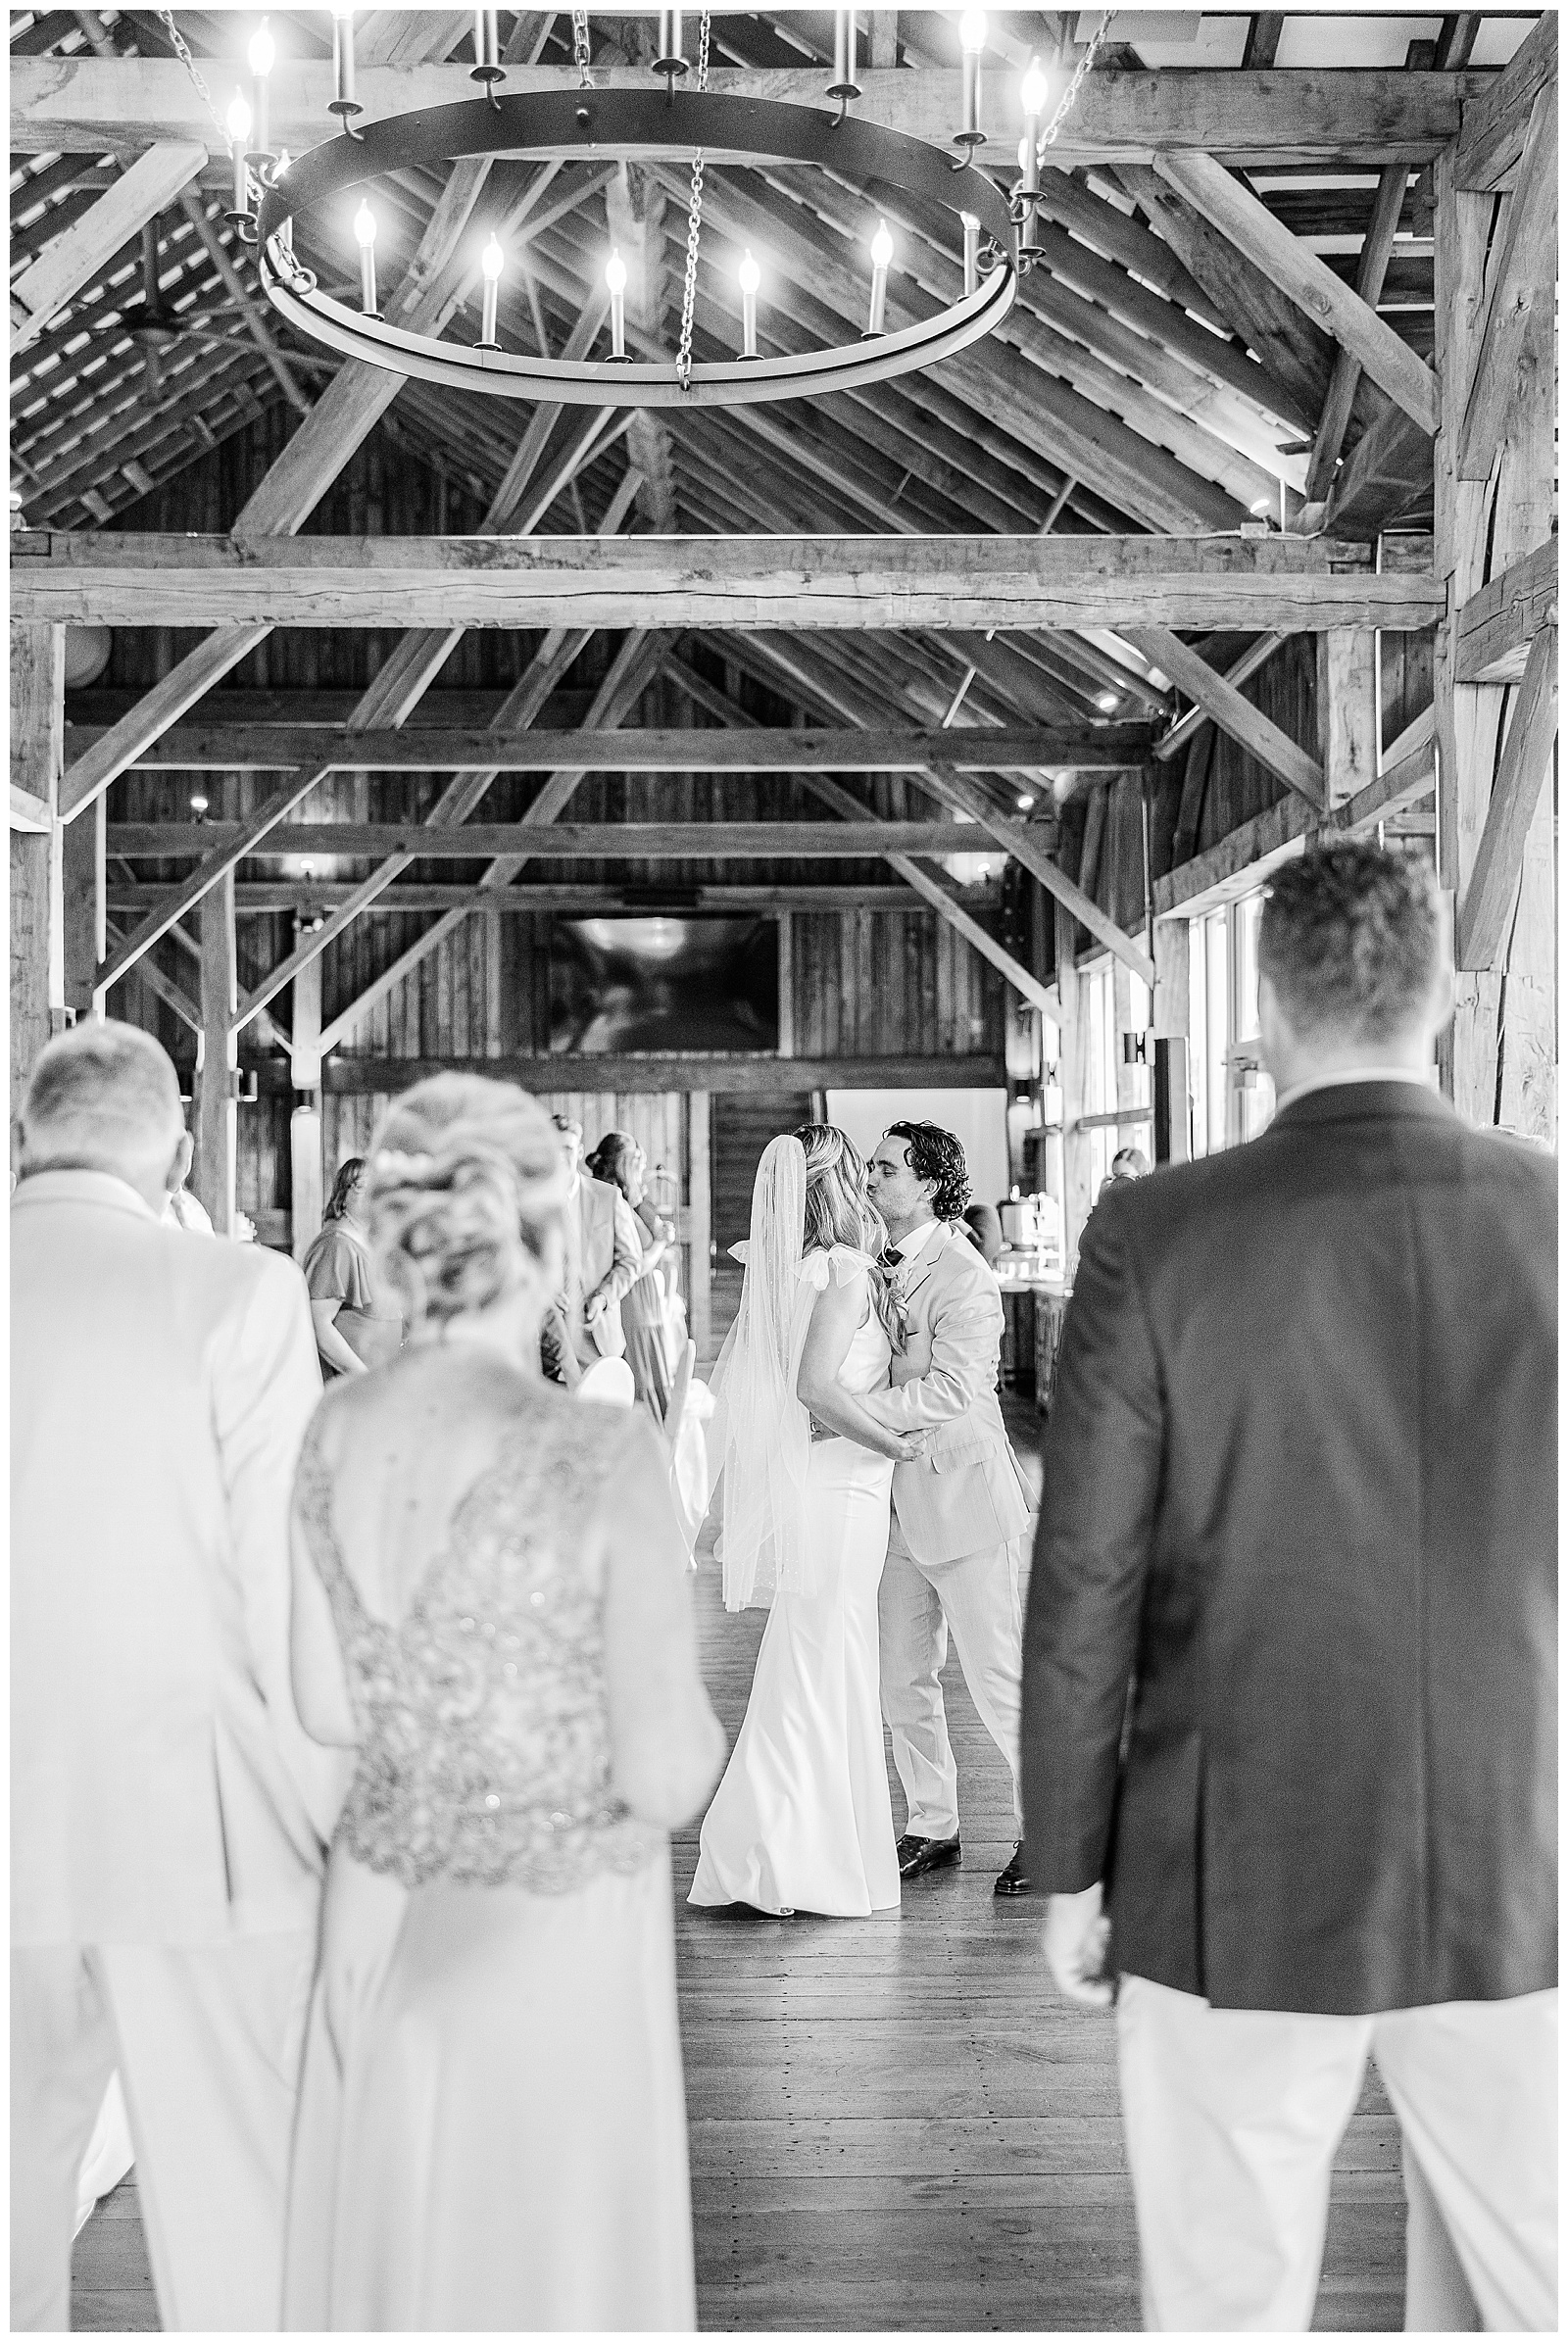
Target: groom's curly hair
[[935, 1153]]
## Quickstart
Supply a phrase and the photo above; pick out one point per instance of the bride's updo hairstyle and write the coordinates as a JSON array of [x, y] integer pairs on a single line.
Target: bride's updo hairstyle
[[467, 1182], [838, 1209]]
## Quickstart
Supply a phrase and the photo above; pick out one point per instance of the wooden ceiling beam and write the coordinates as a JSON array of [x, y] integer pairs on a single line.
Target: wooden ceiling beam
[[315, 897], [553, 841], [1280, 584], [729, 1075], [1248, 222], [82, 104], [251, 748]]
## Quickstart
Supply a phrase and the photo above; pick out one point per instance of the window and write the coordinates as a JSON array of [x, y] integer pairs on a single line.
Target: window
[[1110, 1085], [1232, 1097]]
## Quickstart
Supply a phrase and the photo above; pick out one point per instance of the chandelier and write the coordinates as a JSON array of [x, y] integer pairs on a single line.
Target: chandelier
[[690, 125]]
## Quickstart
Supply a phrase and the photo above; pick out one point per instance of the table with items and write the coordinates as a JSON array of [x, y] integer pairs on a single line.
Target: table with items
[[1034, 1305]]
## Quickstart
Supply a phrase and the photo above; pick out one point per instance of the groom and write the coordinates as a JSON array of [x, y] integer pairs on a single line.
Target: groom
[[961, 1511]]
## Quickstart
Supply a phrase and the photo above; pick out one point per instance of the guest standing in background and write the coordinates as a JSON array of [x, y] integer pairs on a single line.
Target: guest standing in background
[[1300, 1512], [357, 1323], [493, 2132], [618, 1161], [982, 1225], [168, 1813], [603, 1255], [182, 1208]]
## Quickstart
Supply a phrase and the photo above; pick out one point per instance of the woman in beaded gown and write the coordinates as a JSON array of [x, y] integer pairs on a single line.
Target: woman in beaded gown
[[803, 1819], [491, 1607]]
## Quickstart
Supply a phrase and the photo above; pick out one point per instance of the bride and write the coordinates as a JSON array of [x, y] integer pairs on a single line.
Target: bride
[[801, 1819]]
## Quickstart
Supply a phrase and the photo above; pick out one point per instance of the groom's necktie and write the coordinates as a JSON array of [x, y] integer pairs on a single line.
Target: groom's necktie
[[891, 1258]]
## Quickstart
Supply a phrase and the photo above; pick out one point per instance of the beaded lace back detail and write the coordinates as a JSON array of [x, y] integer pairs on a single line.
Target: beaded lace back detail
[[483, 1725]]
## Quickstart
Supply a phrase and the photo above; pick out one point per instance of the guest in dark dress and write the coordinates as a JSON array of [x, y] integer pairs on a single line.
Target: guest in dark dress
[[620, 1163], [358, 1321]]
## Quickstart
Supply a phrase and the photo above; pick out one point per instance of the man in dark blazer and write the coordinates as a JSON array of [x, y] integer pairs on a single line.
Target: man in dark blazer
[[1290, 1655]]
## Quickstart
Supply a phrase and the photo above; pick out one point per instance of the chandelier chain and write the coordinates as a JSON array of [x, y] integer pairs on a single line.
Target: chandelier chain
[[1080, 72], [182, 51], [694, 226], [579, 47]]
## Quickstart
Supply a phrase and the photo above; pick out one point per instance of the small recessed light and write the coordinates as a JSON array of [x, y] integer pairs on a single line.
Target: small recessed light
[[198, 805], [1024, 803], [1261, 508], [1107, 701]]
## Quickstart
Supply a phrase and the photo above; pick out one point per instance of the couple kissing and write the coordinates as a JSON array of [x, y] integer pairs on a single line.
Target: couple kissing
[[871, 1500]]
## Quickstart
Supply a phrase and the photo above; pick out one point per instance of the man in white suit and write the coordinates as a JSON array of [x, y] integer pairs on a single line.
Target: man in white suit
[[955, 1551], [604, 1257], [168, 1813]]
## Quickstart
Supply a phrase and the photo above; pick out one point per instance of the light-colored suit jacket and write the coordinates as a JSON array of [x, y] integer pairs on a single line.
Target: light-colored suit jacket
[[604, 1257], [965, 1494], [162, 1790]]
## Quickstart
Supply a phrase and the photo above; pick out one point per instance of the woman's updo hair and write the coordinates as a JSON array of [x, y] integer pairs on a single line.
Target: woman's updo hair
[[838, 1208], [466, 1181], [612, 1160]]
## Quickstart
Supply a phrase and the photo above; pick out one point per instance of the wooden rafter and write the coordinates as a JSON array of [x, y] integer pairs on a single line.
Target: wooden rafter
[[1279, 584], [506, 748], [76, 105], [1299, 273]]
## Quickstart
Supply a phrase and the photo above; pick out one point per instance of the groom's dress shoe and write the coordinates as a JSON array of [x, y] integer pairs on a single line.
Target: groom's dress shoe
[[917, 1855], [1014, 1879]]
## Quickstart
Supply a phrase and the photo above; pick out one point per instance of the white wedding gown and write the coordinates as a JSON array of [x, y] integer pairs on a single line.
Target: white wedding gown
[[802, 1819]]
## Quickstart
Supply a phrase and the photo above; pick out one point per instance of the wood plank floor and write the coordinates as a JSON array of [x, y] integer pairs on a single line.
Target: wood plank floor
[[896, 2124]]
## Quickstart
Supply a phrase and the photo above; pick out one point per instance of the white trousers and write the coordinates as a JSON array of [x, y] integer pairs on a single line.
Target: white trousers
[[1234, 2117], [208, 2041], [981, 1600]]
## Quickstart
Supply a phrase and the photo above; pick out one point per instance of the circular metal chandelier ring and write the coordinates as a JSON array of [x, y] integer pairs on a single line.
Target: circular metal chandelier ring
[[628, 124]]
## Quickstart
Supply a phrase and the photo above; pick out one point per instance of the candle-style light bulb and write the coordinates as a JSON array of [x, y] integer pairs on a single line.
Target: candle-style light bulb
[[487, 65], [751, 276], [1036, 90], [259, 55], [881, 261], [669, 62], [972, 39], [364, 237], [285, 234], [615, 280], [237, 122], [492, 261], [343, 101], [844, 85], [971, 252]]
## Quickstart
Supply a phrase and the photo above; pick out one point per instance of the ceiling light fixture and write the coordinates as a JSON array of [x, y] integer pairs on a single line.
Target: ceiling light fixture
[[689, 124]]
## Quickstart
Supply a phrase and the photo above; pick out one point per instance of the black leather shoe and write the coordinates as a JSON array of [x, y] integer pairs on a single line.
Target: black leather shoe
[[917, 1855], [1014, 1879]]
